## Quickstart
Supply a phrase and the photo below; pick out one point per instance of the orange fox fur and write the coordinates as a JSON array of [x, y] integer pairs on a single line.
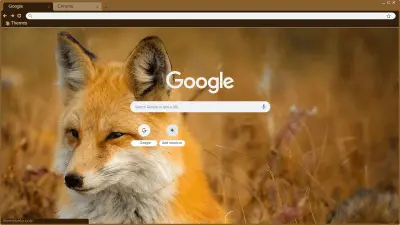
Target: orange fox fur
[[119, 183]]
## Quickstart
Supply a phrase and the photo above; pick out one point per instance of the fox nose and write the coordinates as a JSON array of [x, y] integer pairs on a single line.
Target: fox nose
[[72, 180]]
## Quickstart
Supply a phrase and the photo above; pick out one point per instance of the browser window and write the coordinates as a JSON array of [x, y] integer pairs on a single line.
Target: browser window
[[148, 112]]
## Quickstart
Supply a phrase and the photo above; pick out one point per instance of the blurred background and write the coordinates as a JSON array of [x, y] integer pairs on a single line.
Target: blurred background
[[332, 128]]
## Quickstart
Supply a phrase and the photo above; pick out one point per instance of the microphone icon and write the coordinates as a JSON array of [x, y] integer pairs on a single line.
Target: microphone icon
[[263, 107]]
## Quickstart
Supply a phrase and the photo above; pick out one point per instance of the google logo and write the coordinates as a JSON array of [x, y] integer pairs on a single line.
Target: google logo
[[144, 130]]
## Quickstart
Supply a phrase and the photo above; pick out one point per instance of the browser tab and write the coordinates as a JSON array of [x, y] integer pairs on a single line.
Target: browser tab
[[77, 6]]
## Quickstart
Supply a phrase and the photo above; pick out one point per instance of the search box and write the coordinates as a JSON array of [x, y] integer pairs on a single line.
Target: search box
[[211, 16], [200, 106]]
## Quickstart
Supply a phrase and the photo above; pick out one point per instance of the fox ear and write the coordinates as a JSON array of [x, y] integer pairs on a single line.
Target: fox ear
[[74, 62], [147, 68]]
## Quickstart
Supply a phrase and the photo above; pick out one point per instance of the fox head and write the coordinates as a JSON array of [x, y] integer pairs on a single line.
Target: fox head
[[98, 125]]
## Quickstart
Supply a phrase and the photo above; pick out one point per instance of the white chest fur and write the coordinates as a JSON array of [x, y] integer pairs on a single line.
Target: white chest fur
[[118, 205]]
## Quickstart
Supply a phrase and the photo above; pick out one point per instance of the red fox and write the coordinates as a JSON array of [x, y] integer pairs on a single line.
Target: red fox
[[106, 179]]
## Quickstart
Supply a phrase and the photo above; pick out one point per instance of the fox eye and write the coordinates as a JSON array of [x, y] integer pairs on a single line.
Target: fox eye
[[114, 135], [74, 133]]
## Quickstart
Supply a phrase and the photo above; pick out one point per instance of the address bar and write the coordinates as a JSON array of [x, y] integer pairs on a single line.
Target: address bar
[[210, 16]]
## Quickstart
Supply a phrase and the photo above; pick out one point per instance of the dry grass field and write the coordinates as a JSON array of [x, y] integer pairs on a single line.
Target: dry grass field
[[332, 128]]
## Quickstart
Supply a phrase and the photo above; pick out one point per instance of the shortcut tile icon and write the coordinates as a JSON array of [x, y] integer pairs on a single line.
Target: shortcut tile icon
[[144, 130], [172, 130]]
